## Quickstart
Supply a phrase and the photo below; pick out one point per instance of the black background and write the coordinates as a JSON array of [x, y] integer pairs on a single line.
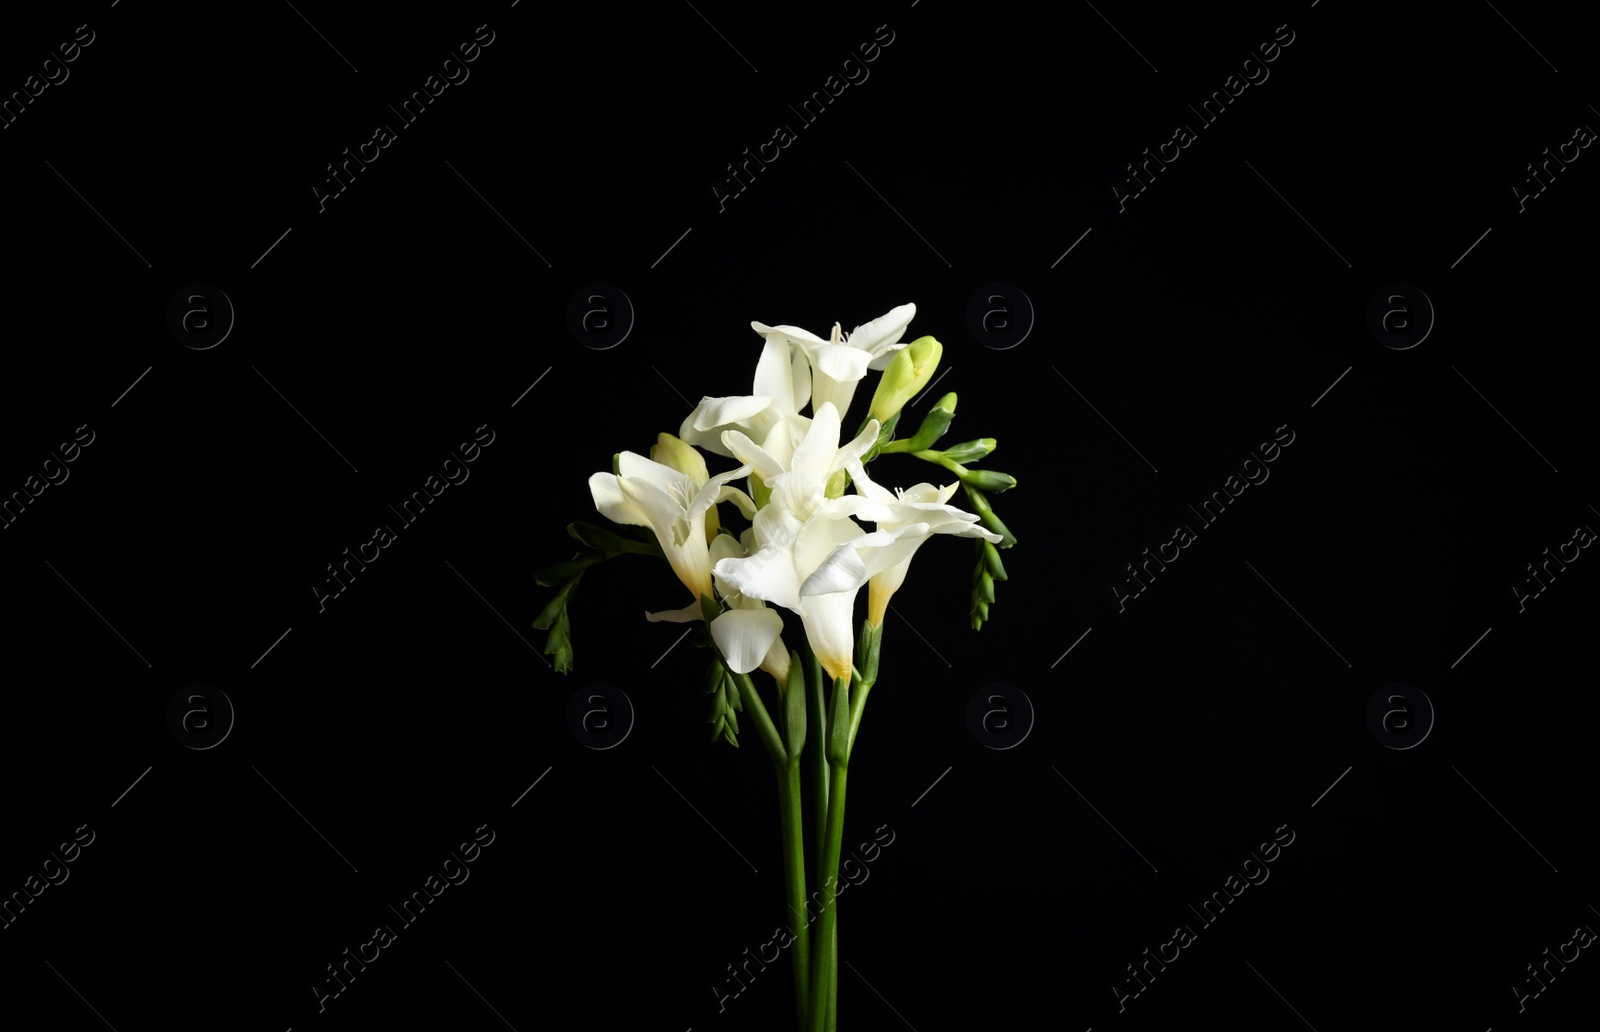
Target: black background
[[430, 294]]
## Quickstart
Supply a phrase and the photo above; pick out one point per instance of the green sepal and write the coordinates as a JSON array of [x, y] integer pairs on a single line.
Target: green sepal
[[794, 709], [991, 559], [868, 647], [839, 723]]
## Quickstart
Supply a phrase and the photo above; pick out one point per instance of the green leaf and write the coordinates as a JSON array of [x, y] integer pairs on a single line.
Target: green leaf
[[605, 539], [561, 573]]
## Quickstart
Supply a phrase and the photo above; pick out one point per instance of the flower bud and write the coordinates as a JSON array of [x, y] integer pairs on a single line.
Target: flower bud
[[987, 479], [970, 451], [908, 372], [934, 424]]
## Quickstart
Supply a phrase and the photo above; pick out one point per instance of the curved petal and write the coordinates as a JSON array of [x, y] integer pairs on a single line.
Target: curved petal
[[715, 412], [856, 562], [877, 336], [751, 453], [707, 496], [632, 465], [841, 362], [827, 620], [745, 635], [743, 502], [855, 449], [865, 485], [613, 504], [688, 614], [803, 339], [775, 373]]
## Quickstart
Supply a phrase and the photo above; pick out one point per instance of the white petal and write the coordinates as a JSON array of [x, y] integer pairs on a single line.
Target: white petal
[[660, 509], [784, 437], [853, 564], [751, 454], [878, 335], [745, 635], [800, 373], [715, 412], [613, 504], [841, 362], [866, 486], [853, 451], [707, 496], [827, 620], [688, 614], [775, 373], [743, 502], [881, 363], [633, 465], [825, 390], [814, 455], [803, 339]]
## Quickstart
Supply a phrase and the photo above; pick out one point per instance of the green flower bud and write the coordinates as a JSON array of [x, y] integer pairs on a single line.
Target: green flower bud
[[970, 451], [908, 372], [934, 424], [991, 560], [987, 479]]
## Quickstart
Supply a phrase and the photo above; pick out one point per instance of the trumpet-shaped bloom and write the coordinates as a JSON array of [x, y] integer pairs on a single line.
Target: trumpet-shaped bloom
[[840, 362], [798, 530], [904, 521], [771, 415], [645, 493], [748, 633]]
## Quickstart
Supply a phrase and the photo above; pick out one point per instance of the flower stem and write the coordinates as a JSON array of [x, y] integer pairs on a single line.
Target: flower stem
[[757, 711], [824, 947], [794, 877], [817, 735]]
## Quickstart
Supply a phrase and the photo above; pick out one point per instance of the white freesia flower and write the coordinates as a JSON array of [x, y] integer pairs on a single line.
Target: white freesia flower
[[645, 493], [771, 415], [904, 521], [840, 362], [798, 530], [748, 633]]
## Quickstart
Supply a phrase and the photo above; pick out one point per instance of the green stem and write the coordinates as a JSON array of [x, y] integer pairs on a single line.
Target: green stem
[[833, 982], [824, 957], [817, 737], [757, 712], [794, 877]]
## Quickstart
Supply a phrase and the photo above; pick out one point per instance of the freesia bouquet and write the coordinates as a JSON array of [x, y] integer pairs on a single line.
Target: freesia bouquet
[[804, 551]]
